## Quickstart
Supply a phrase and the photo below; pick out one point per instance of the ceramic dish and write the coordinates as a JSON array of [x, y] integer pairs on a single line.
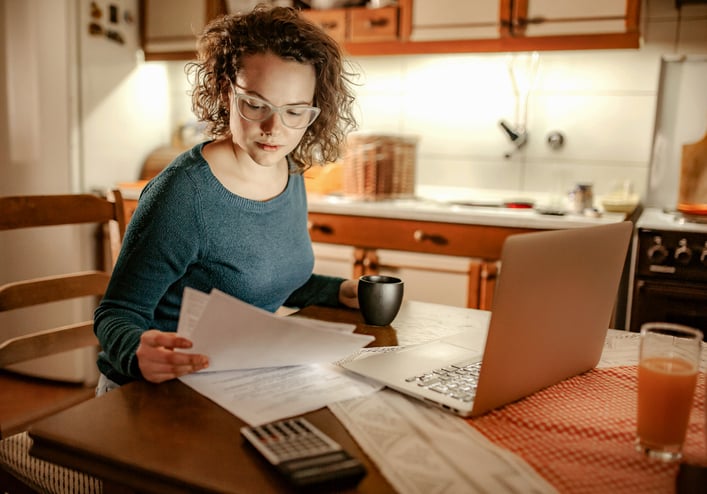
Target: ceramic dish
[[619, 204]]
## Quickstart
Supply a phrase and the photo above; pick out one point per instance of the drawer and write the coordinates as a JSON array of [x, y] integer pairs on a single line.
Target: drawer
[[409, 235], [333, 21], [373, 24]]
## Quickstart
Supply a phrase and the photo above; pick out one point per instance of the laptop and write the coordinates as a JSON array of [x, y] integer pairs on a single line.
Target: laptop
[[551, 311]]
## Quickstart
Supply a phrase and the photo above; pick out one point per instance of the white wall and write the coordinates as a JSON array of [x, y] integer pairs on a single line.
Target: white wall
[[64, 128], [124, 108], [602, 101]]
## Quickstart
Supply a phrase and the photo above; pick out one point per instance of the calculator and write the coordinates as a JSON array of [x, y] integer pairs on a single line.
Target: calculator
[[303, 454]]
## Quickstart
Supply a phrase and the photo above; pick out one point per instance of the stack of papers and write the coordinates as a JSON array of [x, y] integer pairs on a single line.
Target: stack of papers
[[264, 367], [237, 335]]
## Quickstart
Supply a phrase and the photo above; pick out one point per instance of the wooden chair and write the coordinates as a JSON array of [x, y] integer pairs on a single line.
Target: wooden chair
[[24, 399]]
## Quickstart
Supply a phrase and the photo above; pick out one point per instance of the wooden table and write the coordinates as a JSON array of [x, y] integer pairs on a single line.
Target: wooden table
[[167, 438]]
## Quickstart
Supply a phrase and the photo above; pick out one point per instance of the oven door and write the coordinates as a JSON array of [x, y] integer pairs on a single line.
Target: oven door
[[680, 303]]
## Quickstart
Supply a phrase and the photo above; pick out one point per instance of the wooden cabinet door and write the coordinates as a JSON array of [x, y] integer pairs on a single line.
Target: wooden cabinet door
[[333, 21], [455, 19], [368, 25], [563, 18], [374, 240], [462, 26], [433, 278], [169, 28]]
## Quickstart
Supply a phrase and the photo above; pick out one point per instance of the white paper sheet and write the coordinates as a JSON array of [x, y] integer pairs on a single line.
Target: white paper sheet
[[422, 449], [259, 396], [236, 335]]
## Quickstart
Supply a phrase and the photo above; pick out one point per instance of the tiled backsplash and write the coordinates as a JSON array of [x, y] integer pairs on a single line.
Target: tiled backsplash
[[603, 102]]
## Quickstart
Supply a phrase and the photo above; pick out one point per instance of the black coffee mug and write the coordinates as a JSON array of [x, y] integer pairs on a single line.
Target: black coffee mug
[[380, 298]]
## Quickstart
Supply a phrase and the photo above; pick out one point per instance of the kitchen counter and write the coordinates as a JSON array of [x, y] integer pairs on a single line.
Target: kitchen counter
[[436, 236], [445, 205], [425, 209]]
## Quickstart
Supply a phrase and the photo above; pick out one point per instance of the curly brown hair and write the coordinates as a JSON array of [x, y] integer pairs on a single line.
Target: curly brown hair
[[227, 40]]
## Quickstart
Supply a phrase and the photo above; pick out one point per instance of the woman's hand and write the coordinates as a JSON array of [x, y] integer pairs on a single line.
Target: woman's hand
[[348, 293], [159, 362]]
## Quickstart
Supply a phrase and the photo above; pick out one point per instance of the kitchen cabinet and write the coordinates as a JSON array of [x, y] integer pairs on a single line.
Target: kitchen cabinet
[[430, 278], [534, 18], [520, 25], [462, 258], [168, 28], [449, 263], [454, 20], [458, 280], [334, 260], [357, 24]]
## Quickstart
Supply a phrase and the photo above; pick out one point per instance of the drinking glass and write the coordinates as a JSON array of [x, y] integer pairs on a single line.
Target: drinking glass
[[668, 364]]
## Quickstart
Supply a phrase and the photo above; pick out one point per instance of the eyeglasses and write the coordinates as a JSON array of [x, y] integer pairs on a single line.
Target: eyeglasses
[[255, 109]]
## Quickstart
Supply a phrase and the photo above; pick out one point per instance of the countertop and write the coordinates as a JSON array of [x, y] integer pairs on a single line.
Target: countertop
[[425, 209], [446, 205]]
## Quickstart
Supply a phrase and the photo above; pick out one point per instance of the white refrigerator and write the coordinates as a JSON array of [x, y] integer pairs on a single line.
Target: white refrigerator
[[79, 111]]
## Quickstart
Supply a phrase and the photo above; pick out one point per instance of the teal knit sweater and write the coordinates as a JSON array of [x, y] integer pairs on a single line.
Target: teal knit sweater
[[190, 231]]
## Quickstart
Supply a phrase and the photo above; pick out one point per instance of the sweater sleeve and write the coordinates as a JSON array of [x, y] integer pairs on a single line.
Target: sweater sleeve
[[318, 290], [147, 266]]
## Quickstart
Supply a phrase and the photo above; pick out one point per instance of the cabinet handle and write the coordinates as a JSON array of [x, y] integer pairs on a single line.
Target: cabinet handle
[[329, 26], [374, 23], [522, 22], [421, 236], [316, 227]]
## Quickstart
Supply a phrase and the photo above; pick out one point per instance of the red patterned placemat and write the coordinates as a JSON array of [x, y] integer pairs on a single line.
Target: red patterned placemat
[[579, 434]]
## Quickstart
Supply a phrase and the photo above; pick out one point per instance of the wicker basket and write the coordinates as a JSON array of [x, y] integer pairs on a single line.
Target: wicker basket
[[379, 166]]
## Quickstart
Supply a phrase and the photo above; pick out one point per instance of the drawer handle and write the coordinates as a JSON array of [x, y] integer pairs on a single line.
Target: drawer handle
[[421, 236], [329, 26], [316, 227], [374, 23]]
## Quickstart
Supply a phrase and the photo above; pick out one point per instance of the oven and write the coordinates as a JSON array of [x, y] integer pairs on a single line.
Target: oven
[[669, 270], [668, 279]]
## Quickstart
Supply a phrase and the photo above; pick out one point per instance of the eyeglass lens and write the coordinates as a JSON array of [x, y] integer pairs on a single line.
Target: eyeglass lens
[[293, 116]]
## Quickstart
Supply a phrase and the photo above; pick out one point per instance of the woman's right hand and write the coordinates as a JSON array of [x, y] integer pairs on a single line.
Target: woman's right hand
[[158, 360]]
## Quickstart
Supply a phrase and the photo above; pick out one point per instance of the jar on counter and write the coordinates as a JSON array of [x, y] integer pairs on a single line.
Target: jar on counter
[[581, 198]]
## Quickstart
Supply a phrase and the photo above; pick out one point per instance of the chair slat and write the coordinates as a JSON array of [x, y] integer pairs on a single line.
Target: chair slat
[[44, 396], [30, 211], [29, 398], [48, 342], [52, 289]]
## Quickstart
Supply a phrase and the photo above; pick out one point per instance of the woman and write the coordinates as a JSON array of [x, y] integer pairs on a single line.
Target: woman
[[231, 213]]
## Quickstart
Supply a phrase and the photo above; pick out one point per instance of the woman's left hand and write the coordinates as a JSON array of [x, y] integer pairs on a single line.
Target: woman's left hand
[[348, 293]]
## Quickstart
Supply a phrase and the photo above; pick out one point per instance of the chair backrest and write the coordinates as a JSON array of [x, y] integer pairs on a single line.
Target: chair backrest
[[50, 210]]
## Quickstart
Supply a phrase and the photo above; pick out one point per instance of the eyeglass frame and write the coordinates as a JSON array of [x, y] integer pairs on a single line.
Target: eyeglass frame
[[273, 109]]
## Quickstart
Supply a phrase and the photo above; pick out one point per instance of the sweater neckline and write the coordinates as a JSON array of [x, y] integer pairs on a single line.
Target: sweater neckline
[[243, 202]]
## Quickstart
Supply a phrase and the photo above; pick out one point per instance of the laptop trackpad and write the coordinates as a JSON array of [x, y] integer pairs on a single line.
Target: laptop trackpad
[[393, 366]]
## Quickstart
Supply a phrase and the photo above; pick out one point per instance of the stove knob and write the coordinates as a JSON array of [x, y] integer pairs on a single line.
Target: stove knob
[[657, 253], [683, 254]]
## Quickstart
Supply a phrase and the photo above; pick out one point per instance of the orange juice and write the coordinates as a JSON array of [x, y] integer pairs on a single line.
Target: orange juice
[[666, 386]]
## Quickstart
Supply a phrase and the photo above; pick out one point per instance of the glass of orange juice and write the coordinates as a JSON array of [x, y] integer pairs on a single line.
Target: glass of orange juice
[[668, 364]]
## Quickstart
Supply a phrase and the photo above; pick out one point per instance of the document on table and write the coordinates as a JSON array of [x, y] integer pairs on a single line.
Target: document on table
[[264, 367], [236, 335], [259, 396], [420, 449]]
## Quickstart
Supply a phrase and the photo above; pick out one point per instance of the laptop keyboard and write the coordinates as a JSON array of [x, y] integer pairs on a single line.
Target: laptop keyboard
[[457, 381]]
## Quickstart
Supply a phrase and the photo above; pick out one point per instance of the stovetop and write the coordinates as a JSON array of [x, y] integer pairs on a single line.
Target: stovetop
[[671, 220], [670, 248]]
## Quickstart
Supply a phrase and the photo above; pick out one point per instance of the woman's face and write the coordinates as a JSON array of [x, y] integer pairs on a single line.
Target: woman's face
[[277, 82]]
